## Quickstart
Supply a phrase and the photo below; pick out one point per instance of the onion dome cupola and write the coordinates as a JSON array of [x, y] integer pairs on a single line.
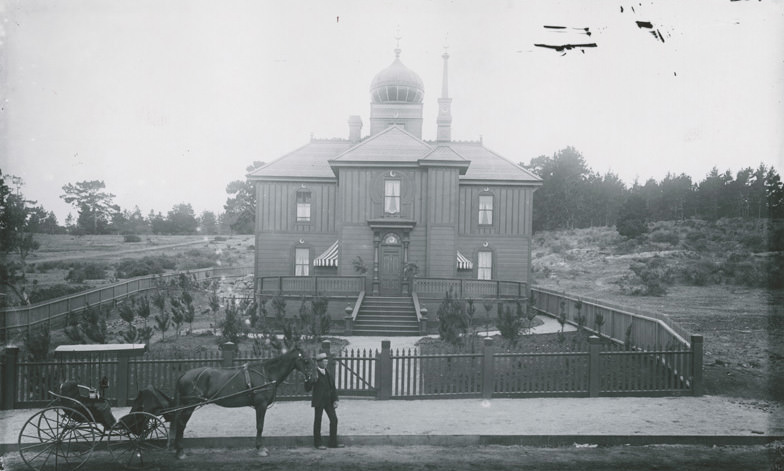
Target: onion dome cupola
[[397, 84], [396, 99]]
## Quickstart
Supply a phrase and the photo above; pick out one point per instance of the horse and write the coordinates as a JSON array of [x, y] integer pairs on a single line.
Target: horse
[[252, 384]]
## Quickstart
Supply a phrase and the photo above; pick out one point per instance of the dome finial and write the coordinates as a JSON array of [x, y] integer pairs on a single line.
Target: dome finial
[[397, 37]]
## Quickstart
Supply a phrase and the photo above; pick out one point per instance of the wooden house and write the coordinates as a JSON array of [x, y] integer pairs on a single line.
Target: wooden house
[[390, 200]]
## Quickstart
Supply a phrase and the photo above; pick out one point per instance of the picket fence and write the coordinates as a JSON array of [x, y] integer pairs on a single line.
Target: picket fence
[[603, 369]]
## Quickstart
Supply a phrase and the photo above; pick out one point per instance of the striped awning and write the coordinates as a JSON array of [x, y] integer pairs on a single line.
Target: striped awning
[[329, 258], [464, 263]]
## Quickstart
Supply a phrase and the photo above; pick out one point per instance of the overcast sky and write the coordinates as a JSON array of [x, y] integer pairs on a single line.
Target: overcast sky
[[168, 101]]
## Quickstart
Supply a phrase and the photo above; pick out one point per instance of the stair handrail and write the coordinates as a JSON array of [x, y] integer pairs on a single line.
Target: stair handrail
[[357, 305], [415, 298]]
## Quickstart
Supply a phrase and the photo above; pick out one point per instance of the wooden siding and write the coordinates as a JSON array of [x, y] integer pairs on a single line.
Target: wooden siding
[[355, 241], [276, 207], [275, 251], [512, 208], [441, 252], [510, 255], [442, 195], [361, 194]]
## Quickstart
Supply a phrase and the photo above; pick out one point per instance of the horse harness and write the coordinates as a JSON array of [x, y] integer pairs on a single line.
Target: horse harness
[[251, 389]]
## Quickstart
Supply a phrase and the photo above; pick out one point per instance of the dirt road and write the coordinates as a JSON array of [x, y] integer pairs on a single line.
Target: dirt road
[[496, 458]]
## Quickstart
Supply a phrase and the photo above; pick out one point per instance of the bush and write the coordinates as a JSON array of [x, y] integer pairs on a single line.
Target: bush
[[664, 236], [130, 268], [700, 273], [650, 277], [452, 319], [86, 271], [131, 238]]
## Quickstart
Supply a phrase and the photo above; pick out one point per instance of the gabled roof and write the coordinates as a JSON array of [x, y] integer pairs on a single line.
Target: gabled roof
[[393, 144]]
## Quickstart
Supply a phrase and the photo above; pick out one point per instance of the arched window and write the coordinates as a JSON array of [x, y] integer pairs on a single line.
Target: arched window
[[303, 206]]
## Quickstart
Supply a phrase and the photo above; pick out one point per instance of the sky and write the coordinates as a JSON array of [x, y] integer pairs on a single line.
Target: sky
[[168, 102]]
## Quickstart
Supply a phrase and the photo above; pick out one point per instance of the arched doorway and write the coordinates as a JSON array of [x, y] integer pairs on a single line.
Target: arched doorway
[[390, 265]]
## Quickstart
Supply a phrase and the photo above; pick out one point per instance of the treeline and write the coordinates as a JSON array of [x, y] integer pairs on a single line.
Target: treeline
[[573, 196], [96, 212]]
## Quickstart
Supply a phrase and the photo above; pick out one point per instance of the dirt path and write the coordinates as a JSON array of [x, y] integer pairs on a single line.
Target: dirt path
[[113, 253], [459, 458]]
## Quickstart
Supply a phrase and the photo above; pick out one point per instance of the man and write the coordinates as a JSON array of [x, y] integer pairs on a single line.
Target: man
[[325, 399]]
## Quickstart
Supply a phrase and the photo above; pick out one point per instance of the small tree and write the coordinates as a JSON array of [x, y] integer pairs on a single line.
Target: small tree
[[321, 320], [162, 323], [37, 343], [279, 309], [178, 315], [127, 311], [452, 319], [188, 309], [143, 310], [488, 305], [509, 324], [579, 317], [599, 322]]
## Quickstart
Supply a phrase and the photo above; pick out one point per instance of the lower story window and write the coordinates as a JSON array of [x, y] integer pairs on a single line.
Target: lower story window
[[485, 266], [302, 262]]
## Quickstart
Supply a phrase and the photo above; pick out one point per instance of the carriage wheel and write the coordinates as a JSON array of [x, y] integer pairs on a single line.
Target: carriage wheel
[[137, 439], [57, 438]]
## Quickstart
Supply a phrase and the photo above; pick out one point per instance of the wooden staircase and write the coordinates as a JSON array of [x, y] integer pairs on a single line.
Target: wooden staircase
[[392, 316]]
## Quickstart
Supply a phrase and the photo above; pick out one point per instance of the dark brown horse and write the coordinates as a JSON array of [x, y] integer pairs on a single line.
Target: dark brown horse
[[252, 384]]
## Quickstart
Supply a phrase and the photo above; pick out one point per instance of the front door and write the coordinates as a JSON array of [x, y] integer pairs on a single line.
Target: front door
[[391, 267]]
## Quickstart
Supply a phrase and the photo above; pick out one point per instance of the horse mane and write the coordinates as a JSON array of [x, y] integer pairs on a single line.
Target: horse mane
[[274, 365]]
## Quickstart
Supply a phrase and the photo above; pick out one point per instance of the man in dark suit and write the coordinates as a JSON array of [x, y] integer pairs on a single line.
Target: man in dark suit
[[325, 399]]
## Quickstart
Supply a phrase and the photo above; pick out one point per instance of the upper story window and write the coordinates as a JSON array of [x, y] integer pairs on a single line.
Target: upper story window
[[303, 206], [485, 266], [392, 196], [302, 262], [485, 210]]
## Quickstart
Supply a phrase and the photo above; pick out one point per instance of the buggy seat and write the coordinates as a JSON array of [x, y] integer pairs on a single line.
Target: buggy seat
[[78, 396]]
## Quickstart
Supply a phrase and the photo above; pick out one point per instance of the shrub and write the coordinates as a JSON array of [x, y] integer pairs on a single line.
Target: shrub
[[86, 271], [664, 236], [700, 273], [650, 277], [130, 268], [131, 238], [452, 319], [510, 323]]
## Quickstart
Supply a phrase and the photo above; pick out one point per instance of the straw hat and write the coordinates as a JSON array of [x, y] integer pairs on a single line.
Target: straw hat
[[321, 356]]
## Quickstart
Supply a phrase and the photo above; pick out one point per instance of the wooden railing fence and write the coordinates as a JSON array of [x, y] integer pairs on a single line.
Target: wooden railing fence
[[53, 312]]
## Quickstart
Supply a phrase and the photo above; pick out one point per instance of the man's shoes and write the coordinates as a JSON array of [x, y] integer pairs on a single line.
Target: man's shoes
[[321, 447], [339, 445]]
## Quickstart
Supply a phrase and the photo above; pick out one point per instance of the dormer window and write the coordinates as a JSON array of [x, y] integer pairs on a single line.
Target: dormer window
[[303, 206], [392, 196], [485, 210]]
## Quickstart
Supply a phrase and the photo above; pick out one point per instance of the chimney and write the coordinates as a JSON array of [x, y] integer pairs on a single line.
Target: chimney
[[354, 128]]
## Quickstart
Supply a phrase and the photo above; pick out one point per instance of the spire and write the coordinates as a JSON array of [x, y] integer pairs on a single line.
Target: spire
[[444, 119], [445, 81], [397, 37]]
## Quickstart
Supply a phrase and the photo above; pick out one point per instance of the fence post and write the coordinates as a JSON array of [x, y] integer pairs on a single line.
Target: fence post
[[696, 365], [10, 360], [384, 372], [488, 369], [594, 380], [348, 319], [229, 350], [122, 379]]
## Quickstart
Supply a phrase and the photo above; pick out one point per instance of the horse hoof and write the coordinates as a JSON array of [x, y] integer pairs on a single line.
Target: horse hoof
[[262, 452], [181, 456]]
